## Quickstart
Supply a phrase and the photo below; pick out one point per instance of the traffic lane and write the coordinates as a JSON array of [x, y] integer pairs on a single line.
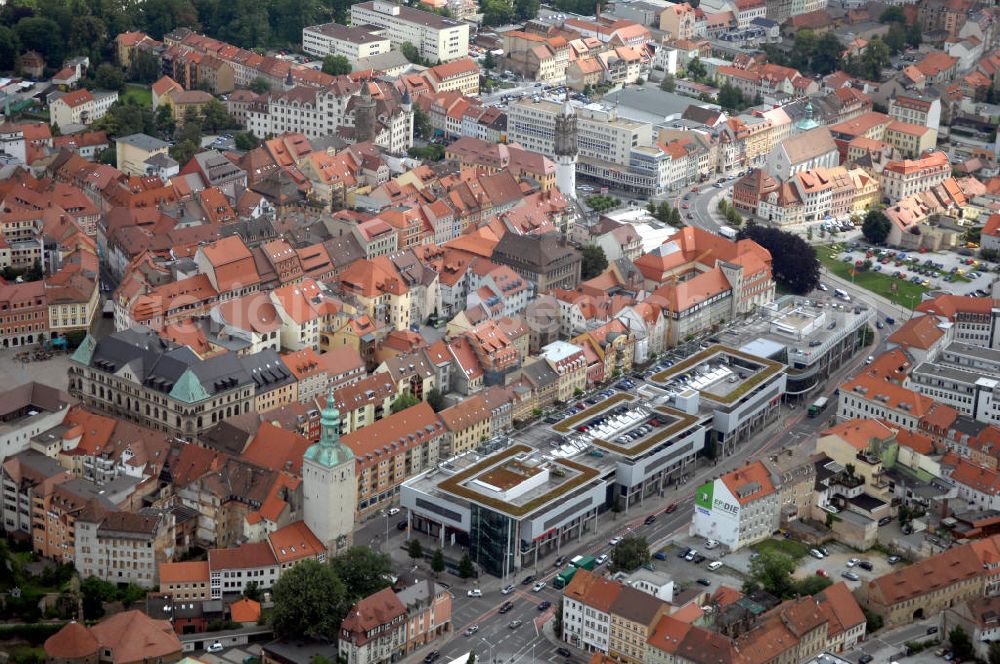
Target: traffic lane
[[494, 627]]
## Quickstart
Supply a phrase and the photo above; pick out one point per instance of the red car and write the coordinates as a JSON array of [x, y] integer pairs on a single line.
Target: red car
[[822, 572], [671, 508], [685, 206]]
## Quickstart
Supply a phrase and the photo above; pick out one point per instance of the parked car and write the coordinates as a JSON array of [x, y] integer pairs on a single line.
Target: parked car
[[528, 580], [215, 646], [864, 659], [563, 652], [475, 592], [559, 561], [472, 629], [865, 565], [432, 656], [892, 560], [614, 541], [393, 511], [817, 554], [705, 582], [822, 572], [850, 576], [401, 525], [932, 629], [853, 561], [601, 559], [714, 565]]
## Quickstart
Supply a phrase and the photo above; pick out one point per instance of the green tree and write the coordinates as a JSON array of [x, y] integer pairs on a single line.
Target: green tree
[[252, 591], [525, 10], [404, 401], [158, 17], [466, 569], [437, 561], [594, 262], [37, 33], [914, 35], [489, 61], [164, 121], [826, 55], [336, 65], [731, 98], [629, 554], [496, 12], [10, 46], [109, 77], [675, 218], [811, 585], [363, 571], [960, 642], [183, 151], [895, 39], [794, 261], [874, 621], [259, 85], [695, 69], [892, 15], [435, 400], [95, 592], [876, 226], [309, 600], [663, 212], [669, 83], [87, 36], [875, 58], [772, 571], [415, 549], [144, 67], [422, 123], [600, 203], [411, 53], [215, 117], [245, 141]]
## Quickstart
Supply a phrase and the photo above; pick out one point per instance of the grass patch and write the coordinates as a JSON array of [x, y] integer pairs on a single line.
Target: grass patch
[[138, 94], [907, 294], [791, 548]]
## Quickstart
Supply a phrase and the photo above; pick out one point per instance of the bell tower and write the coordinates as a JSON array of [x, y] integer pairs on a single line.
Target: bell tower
[[329, 487], [566, 149]]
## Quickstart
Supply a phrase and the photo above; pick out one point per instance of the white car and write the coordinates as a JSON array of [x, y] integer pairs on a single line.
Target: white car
[[475, 592], [508, 590], [817, 554], [601, 559], [853, 561], [711, 544], [216, 646], [714, 565], [393, 511], [614, 541], [538, 586]]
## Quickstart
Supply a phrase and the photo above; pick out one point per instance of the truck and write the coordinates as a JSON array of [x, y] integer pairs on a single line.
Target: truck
[[583, 562], [817, 406], [564, 577], [727, 232]]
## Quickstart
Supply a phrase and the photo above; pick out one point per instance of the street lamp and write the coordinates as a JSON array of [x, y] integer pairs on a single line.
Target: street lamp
[[492, 661]]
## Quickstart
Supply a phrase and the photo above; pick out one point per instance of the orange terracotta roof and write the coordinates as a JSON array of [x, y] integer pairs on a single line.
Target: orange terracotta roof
[[749, 483], [245, 611], [859, 433], [295, 542], [194, 571]]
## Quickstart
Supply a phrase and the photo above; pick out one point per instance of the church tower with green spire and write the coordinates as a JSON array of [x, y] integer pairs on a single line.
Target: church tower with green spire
[[329, 487]]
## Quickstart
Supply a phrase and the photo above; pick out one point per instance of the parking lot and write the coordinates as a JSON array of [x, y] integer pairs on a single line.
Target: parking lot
[[948, 271], [836, 564]]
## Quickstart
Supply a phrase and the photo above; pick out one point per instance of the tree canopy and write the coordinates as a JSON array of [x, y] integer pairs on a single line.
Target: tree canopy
[[629, 554], [794, 261], [876, 227], [336, 65], [309, 600], [404, 401], [363, 571], [594, 262]]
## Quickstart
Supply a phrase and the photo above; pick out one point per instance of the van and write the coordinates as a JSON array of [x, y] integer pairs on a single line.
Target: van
[[842, 294], [714, 565]]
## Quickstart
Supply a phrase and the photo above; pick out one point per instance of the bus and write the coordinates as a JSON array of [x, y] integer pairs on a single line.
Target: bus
[[817, 406], [727, 232], [584, 562], [563, 578]]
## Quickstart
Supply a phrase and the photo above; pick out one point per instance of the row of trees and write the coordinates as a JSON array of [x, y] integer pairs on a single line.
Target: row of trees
[[794, 262], [665, 213], [772, 571]]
